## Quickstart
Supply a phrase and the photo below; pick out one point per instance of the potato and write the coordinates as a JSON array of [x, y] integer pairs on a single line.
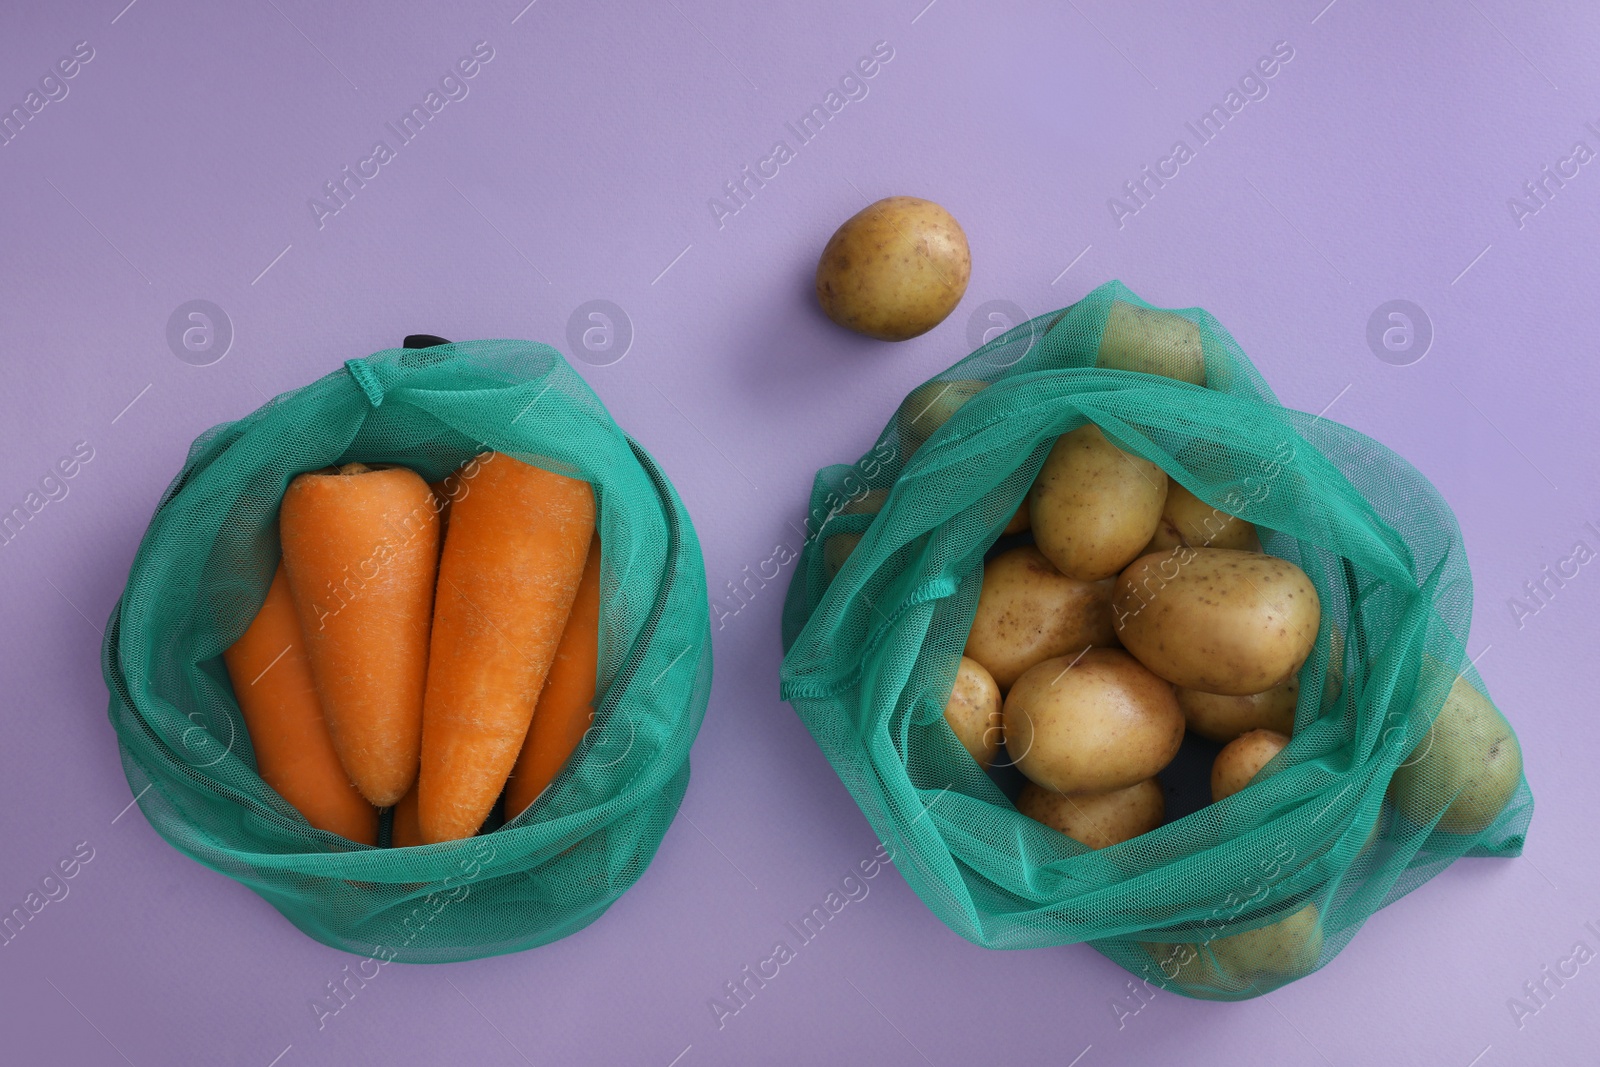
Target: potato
[[1020, 521], [1223, 718], [1184, 963], [1288, 948], [1242, 759], [973, 711], [895, 269], [1216, 619], [1165, 539], [1188, 520], [1093, 505], [1470, 760], [1156, 342], [1372, 834], [1099, 820], [1099, 723], [929, 406], [1029, 612], [837, 548], [1333, 677]]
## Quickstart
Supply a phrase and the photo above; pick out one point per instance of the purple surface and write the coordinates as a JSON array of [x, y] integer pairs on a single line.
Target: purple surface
[[1379, 166]]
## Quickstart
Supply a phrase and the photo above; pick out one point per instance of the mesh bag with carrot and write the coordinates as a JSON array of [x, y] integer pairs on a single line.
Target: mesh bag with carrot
[[1375, 757], [417, 652]]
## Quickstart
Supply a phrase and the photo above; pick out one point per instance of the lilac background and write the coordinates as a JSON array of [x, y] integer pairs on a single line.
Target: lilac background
[[579, 167]]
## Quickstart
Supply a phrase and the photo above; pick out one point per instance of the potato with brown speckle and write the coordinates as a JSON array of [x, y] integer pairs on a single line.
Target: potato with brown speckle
[[1091, 723], [1029, 612], [1188, 520], [973, 711], [895, 269], [1223, 718], [1099, 820], [1094, 506], [1242, 759], [1216, 619]]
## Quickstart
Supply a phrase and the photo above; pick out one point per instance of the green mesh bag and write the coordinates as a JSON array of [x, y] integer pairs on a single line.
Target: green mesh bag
[[1224, 901], [202, 572]]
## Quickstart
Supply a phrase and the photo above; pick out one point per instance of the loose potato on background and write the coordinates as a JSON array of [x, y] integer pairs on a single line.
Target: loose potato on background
[[1029, 612], [929, 406], [1156, 342], [1217, 620], [837, 548], [895, 269], [1188, 520], [1223, 718], [1099, 820], [1242, 759], [1469, 765], [1092, 723], [1094, 506], [973, 711]]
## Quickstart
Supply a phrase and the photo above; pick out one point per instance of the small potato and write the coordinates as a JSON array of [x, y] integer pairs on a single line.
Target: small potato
[[929, 406], [837, 548], [1242, 759], [973, 711], [1029, 612], [895, 269], [1099, 820], [1091, 724], [1333, 676], [1216, 619], [1223, 718], [1165, 539], [1093, 505], [1469, 764], [1156, 342], [1188, 520], [1020, 521]]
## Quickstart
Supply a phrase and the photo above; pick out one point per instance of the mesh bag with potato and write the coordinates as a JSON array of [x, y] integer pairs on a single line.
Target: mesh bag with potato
[[1237, 713], [204, 568]]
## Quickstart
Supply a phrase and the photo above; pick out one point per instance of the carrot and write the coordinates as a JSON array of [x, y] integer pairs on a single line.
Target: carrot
[[566, 704], [507, 579], [294, 754], [441, 498], [403, 829], [452, 487], [361, 549]]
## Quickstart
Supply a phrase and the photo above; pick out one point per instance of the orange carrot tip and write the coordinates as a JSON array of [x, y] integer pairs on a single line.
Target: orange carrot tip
[[272, 679], [566, 704]]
